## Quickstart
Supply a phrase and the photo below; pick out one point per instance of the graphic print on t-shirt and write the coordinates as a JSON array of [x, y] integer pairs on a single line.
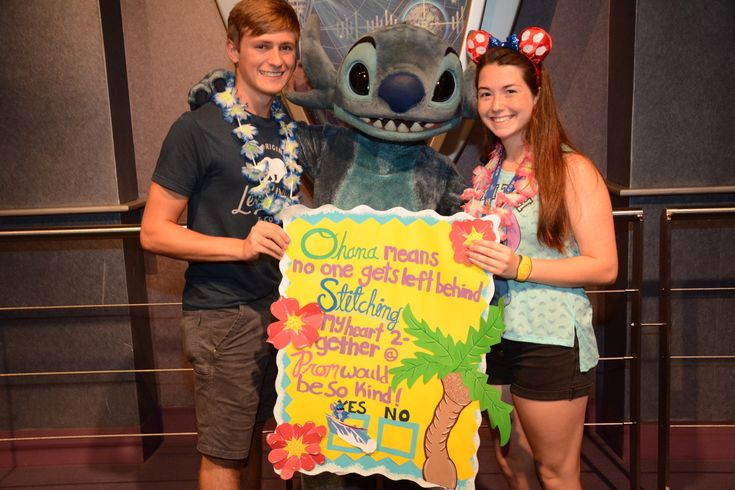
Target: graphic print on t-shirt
[[274, 170]]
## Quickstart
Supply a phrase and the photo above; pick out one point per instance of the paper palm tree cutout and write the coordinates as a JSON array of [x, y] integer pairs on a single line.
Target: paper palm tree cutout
[[456, 364]]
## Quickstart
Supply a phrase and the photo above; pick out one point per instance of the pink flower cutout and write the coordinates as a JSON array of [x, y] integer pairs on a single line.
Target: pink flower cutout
[[298, 326], [465, 232], [294, 448]]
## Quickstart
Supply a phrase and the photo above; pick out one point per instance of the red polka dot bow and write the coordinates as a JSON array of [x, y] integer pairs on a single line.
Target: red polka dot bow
[[534, 43]]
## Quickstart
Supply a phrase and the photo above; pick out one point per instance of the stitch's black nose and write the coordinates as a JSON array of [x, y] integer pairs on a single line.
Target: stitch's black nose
[[401, 91]]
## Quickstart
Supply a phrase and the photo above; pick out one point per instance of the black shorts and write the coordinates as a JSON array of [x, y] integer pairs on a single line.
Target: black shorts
[[234, 375], [539, 371]]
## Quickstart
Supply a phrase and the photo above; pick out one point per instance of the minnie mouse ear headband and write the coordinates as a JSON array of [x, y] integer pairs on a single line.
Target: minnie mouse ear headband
[[534, 43]]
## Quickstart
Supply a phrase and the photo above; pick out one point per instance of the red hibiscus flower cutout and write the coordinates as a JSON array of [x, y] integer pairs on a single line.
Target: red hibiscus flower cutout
[[294, 448], [298, 326], [465, 232]]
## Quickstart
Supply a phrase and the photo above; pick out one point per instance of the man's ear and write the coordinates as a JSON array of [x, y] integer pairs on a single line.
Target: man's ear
[[233, 52]]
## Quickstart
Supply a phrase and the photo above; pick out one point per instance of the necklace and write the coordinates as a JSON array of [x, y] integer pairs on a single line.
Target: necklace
[[479, 197], [272, 195]]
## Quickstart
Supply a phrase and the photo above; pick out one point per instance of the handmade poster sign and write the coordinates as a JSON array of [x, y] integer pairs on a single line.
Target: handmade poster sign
[[382, 329]]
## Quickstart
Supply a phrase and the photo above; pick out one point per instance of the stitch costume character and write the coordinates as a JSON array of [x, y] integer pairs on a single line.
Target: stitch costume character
[[396, 87]]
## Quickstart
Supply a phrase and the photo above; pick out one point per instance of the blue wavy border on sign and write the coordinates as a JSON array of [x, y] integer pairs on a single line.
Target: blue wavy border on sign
[[407, 470], [337, 217]]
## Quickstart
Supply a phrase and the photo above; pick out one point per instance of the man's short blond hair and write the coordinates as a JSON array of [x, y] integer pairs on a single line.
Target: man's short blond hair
[[258, 17]]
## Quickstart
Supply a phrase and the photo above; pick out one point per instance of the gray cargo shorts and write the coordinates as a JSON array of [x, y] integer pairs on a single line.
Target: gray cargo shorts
[[234, 375]]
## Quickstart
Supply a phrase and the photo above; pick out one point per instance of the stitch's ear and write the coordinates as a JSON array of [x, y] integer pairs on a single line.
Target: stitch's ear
[[201, 92], [469, 94], [318, 67]]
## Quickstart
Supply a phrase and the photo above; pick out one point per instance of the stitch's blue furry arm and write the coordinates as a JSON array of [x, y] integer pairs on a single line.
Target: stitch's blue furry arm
[[311, 145], [438, 184], [326, 153]]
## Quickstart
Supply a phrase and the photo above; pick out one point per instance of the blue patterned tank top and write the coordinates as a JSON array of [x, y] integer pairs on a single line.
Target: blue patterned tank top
[[540, 313]]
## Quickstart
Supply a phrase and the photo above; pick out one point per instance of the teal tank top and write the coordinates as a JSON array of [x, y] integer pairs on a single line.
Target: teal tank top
[[540, 313]]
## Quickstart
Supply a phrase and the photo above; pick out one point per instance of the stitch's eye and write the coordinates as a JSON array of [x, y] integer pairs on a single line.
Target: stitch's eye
[[360, 79], [444, 88]]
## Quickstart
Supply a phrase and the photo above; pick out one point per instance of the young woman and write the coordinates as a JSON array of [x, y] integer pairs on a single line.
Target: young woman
[[558, 237]]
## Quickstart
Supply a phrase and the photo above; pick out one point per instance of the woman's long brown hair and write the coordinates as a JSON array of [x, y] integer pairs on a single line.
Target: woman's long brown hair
[[545, 135]]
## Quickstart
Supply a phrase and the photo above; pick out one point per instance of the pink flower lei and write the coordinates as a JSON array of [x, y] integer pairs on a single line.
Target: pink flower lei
[[524, 187]]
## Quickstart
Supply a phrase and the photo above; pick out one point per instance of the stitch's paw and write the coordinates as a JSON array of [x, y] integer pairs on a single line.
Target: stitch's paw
[[201, 92]]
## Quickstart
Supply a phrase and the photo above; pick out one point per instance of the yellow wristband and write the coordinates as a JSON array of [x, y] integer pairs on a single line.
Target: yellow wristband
[[524, 269]]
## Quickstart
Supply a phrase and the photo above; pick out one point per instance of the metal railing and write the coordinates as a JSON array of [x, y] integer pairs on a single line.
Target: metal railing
[[669, 218], [632, 217]]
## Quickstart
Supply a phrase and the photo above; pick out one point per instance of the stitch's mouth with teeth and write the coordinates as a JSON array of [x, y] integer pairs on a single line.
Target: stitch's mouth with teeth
[[398, 125], [395, 129]]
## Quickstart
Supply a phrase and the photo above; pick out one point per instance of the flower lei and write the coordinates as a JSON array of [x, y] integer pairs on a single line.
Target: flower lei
[[484, 179], [271, 197]]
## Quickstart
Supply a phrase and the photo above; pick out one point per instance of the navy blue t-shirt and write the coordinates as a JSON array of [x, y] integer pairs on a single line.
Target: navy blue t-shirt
[[200, 158]]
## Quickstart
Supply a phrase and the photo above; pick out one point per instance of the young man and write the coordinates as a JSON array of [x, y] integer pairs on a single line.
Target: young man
[[232, 241]]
